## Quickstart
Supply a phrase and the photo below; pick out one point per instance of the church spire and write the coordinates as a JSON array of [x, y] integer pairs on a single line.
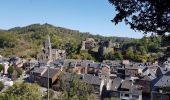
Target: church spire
[[48, 49]]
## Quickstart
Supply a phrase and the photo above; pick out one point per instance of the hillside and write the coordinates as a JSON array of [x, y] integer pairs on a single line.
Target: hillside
[[27, 41]]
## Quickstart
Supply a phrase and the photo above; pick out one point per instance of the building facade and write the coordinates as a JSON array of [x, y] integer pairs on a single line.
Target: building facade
[[48, 54]]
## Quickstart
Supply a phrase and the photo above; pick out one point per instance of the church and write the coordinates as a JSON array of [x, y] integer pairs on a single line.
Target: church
[[48, 54]]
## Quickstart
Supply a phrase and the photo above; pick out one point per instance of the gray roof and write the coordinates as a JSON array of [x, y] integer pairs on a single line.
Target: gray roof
[[135, 89], [163, 81], [52, 72], [126, 84], [91, 79], [165, 70], [38, 70], [131, 66], [116, 84]]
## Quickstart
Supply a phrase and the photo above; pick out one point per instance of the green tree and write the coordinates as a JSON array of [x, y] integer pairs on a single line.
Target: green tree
[[74, 89], [1, 85], [119, 55], [129, 53], [142, 50], [51, 94], [19, 71], [10, 70], [24, 91], [1, 67], [143, 15]]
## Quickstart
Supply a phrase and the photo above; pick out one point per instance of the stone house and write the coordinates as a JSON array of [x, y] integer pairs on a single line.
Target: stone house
[[29, 65], [131, 70], [37, 73], [129, 91], [40, 76], [53, 77], [160, 84], [146, 84]]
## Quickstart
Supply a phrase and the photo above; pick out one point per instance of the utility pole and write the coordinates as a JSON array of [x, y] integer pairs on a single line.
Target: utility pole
[[48, 83]]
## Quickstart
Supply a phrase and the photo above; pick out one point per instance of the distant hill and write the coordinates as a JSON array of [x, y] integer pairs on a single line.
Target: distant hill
[[27, 41]]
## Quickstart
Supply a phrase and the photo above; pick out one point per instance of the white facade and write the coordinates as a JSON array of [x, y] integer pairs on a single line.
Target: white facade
[[129, 96]]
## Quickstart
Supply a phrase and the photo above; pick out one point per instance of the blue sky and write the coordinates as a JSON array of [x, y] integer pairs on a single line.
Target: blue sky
[[84, 15]]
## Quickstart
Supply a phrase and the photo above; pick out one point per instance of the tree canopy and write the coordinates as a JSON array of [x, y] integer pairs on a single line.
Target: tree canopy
[[1, 85], [144, 15], [10, 70], [1, 67], [24, 91], [75, 89]]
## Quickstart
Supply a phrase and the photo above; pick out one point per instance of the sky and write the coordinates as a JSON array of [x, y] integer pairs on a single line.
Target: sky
[[84, 15]]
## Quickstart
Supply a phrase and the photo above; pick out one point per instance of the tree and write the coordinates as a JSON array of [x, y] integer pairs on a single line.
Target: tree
[[119, 55], [51, 94], [74, 89], [24, 91], [19, 71], [1, 85], [129, 53], [1, 67], [10, 70], [143, 15], [142, 50]]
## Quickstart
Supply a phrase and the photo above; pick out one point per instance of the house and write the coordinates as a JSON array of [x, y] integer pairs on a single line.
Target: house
[[17, 62], [129, 91], [40, 75], [69, 65], [150, 73], [131, 70], [120, 89], [113, 91], [53, 77], [89, 43], [146, 84], [29, 65], [93, 68], [37, 73], [48, 54], [160, 88]]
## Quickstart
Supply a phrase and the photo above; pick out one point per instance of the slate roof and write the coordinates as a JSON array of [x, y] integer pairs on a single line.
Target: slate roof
[[126, 84], [165, 70], [131, 66], [91, 79], [39, 70], [52, 72], [163, 81], [116, 84], [135, 89]]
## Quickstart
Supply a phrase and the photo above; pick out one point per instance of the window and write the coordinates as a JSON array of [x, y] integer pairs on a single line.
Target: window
[[135, 96], [126, 95]]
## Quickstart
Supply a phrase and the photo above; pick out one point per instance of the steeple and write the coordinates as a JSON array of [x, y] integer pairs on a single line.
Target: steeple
[[48, 51]]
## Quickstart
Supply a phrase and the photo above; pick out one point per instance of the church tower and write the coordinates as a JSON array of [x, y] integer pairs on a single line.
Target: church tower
[[48, 52]]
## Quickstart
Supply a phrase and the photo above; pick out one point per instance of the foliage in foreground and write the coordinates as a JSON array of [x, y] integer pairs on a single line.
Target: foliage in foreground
[[74, 89], [24, 91]]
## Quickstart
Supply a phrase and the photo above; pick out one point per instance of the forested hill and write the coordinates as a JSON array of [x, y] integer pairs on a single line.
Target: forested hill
[[27, 41]]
